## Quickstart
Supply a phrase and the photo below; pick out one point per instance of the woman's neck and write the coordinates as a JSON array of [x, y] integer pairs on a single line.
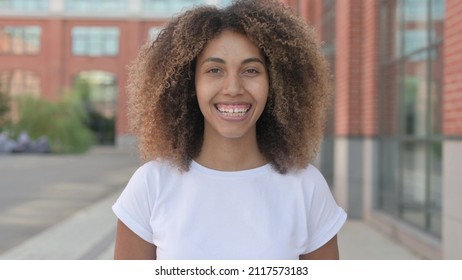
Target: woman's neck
[[231, 154]]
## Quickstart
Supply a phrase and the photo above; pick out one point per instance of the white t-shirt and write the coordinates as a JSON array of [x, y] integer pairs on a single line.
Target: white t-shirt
[[210, 214]]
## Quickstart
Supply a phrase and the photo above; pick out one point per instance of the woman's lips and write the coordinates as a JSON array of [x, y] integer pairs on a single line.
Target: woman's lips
[[233, 111]]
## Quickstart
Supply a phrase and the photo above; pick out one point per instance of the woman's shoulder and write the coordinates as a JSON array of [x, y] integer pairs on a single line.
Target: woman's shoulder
[[309, 177], [156, 168], [310, 172], [314, 172], [151, 176]]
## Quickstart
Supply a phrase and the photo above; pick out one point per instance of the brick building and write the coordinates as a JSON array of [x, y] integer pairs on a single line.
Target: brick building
[[393, 145], [45, 45]]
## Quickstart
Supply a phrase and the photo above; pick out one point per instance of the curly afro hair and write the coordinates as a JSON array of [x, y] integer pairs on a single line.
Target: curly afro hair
[[163, 109]]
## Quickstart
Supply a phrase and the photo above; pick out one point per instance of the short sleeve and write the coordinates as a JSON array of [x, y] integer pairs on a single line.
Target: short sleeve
[[325, 218], [133, 207]]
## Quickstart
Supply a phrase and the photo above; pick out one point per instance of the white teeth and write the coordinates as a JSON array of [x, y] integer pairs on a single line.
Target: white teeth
[[234, 112]]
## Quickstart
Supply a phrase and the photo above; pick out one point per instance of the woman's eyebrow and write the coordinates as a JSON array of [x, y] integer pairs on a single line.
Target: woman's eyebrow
[[253, 59], [214, 59], [245, 61]]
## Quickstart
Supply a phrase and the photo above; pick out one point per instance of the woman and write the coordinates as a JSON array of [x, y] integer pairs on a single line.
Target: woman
[[229, 107]]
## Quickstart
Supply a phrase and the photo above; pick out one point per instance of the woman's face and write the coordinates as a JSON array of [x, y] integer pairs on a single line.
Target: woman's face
[[232, 86]]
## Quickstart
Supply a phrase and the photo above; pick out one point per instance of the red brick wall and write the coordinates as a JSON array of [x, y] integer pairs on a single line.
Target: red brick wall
[[304, 11], [390, 74], [29, 62], [452, 96], [348, 98], [370, 68], [53, 52], [314, 13], [310, 11]]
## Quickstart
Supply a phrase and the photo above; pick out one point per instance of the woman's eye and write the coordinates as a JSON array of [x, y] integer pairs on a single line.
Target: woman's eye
[[251, 71], [213, 71]]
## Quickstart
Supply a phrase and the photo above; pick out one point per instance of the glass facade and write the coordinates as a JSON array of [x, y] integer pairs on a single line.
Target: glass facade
[[95, 41], [410, 116], [167, 8], [152, 8], [19, 40], [24, 5], [91, 6]]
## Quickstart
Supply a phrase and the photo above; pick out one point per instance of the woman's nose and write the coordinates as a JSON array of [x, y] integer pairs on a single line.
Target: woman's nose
[[232, 85]]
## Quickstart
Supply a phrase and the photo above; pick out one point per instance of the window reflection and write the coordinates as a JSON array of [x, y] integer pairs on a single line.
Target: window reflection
[[415, 10], [415, 197], [436, 88], [162, 7], [389, 175], [96, 6], [95, 41], [169, 6], [153, 32], [437, 20], [436, 155], [411, 91], [415, 26], [415, 95], [24, 5], [158, 7], [413, 174], [19, 40], [18, 82]]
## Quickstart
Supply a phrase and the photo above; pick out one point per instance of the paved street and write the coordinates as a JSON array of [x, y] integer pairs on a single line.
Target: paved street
[[39, 191]]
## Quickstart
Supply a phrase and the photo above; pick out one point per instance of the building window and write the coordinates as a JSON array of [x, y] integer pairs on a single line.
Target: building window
[[19, 82], [18, 40], [168, 8], [24, 5], [91, 6], [95, 41], [154, 32], [410, 117], [98, 92]]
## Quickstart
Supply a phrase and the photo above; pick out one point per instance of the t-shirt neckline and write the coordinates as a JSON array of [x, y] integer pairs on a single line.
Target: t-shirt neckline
[[240, 173]]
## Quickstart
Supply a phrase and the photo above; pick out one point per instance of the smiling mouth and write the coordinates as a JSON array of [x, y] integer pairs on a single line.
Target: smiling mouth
[[233, 110]]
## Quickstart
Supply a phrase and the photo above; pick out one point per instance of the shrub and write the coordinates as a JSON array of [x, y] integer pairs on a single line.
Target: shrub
[[62, 122], [4, 110]]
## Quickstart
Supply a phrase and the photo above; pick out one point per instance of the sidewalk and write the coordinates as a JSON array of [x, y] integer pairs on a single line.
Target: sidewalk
[[90, 234], [359, 241]]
